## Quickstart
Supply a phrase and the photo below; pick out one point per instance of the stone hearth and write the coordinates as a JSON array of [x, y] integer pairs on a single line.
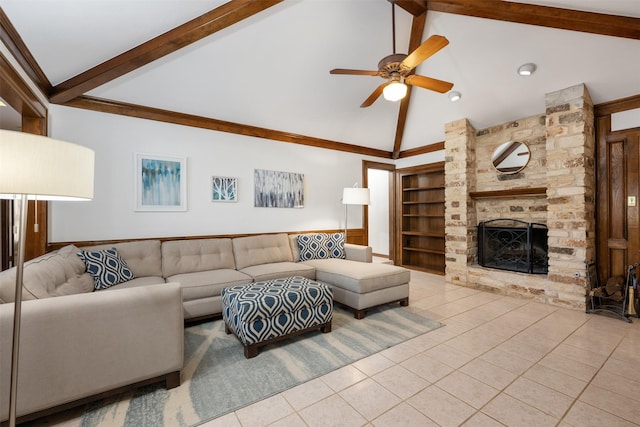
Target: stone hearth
[[562, 148]]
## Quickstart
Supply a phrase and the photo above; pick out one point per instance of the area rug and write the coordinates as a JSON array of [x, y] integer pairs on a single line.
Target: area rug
[[217, 379]]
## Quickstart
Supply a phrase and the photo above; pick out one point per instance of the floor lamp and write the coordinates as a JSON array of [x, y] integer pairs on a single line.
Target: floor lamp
[[353, 196], [38, 168]]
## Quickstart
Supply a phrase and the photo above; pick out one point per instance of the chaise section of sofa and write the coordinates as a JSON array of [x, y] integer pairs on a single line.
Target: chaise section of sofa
[[77, 347], [202, 267], [357, 282]]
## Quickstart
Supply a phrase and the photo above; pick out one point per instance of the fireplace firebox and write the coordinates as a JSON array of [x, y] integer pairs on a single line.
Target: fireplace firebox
[[513, 245]]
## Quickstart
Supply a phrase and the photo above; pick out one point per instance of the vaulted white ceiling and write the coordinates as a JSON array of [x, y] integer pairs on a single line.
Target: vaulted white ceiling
[[272, 69]]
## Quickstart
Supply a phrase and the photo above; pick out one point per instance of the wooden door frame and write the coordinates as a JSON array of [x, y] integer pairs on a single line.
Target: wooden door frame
[[603, 134], [389, 167], [19, 96]]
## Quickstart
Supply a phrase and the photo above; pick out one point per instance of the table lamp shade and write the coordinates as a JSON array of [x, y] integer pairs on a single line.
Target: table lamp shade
[[355, 196], [44, 168]]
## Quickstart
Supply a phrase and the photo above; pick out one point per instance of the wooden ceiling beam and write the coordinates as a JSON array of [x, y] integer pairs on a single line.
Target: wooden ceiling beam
[[544, 16], [415, 40], [215, 20], [166, 116], [414, 7]]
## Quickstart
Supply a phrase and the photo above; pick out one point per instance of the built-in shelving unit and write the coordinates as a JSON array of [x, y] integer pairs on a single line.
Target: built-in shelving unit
[[420, 215]]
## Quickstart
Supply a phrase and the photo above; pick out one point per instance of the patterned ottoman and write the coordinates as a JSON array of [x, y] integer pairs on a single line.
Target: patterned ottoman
[[264, 312]]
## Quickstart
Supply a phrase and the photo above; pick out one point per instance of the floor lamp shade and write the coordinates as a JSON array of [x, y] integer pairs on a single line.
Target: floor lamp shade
[[44, 168], [355, 196]]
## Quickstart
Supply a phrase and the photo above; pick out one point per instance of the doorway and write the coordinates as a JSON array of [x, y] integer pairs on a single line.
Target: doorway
[[379, 218]]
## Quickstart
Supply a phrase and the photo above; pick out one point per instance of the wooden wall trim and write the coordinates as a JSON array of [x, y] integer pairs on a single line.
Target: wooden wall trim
[[17, 93], [422, 168], [356, 233], [544, 16], [617, 105], [150, 113]]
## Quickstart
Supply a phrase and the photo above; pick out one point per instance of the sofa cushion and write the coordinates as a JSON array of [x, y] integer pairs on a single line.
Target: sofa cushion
[[321, 246], [139, 282], [106, 267], [189, 256], [57, 273], [262, 249], [205, 284], [142, 256], [359, 277], [277, 270]]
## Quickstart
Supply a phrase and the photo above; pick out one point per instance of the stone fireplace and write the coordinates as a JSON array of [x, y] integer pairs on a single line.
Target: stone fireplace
[[556, 189], [513, 245]]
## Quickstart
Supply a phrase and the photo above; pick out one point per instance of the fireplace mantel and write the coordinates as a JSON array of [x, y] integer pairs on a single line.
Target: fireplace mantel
[[511, 193]]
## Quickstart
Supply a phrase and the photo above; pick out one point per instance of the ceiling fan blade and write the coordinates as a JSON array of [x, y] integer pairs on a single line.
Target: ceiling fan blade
[[354, 72], [432, 45], [428, 83], [374, 95]]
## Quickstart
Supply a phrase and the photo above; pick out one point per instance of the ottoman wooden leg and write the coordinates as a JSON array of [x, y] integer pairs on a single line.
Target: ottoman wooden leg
[[358, 314], [227, 329], [404, 302], [250, 351], [326, 328]]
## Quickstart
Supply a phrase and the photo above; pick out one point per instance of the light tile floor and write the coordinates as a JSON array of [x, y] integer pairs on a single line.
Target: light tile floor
[[498, 361]]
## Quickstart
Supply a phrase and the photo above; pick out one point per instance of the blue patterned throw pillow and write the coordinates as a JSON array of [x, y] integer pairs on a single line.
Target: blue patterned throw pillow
[[335, 243], [321, 246], [106, 267]]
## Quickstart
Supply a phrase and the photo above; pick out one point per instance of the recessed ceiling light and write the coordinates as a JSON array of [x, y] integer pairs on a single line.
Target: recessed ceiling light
[[527, 69], [454, 96]]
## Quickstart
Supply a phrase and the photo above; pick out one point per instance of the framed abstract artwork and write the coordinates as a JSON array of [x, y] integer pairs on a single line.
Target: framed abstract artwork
[[274, 189], [160, 183], [224, 189]]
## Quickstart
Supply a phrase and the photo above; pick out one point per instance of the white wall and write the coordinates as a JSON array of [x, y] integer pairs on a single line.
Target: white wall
[[115, 139]]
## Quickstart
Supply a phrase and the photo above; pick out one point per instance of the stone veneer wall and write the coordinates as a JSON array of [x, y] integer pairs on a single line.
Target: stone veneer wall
[[563, 149], [531, 131], [571, 183]]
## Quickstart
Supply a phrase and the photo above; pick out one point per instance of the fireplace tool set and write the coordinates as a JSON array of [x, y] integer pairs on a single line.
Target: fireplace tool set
[[619, 297]]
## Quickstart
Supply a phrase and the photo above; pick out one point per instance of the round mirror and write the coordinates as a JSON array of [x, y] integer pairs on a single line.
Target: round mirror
[[511, 157]]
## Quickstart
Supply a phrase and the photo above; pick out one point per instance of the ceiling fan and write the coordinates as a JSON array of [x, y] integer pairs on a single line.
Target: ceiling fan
[[398, 69]]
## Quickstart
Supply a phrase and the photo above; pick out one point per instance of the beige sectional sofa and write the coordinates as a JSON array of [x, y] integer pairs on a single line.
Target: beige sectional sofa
[[143, 318]]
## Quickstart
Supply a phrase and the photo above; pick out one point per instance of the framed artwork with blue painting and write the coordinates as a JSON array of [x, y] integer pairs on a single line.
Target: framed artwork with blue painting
[[224, 189], [161, 183]]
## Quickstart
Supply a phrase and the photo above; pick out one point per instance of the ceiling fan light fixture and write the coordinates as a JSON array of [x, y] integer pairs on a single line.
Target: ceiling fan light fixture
[[527, 69], [454, 96], [394, 91]]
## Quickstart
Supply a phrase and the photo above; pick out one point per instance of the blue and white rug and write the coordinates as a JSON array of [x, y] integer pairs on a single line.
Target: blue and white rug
[[217, 379]]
